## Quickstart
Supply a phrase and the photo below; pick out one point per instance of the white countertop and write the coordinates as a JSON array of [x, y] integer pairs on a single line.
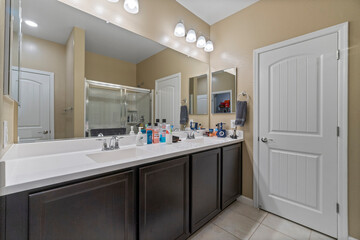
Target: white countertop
[[30, 166]]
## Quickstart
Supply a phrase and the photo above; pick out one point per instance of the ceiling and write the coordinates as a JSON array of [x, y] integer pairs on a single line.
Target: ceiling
[[56, 21], [212, 11]]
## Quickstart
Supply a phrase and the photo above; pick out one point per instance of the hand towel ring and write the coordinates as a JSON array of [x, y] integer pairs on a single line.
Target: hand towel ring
[[243, 93]]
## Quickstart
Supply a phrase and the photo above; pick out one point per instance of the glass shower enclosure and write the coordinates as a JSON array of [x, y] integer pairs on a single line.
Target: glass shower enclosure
[[112, 109]]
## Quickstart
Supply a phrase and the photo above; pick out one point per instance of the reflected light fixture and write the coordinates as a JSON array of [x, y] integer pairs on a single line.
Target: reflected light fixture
[[201, 42], [179, 29], [191, 36], [31, 23], [209, 46], [131, 6], [113, 1]]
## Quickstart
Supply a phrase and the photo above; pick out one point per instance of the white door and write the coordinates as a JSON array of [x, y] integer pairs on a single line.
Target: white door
[[167, 99], [35, 106], [202, 104], [298, 132]]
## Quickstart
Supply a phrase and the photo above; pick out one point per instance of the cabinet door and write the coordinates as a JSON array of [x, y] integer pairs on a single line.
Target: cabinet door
[[231, 174], [205, 187], [93, 210], [164, 200]]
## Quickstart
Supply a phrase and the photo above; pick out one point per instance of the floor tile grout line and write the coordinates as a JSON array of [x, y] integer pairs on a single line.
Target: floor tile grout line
[[226, 231], [254, 231], [278, 231]]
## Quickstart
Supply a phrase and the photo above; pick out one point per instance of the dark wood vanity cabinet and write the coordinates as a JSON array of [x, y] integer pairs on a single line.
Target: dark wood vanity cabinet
[[231, 174], [103, 208], [205, 187], [164, 200]]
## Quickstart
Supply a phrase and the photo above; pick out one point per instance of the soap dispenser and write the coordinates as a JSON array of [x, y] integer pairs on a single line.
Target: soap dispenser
[[132, 133], [140, 138]]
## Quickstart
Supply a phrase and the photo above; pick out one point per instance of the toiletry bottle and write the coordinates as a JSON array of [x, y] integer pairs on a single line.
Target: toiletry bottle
[[149, 134], [163, 131], [132, 133], [156, 133], [168, 134], [140, 138]]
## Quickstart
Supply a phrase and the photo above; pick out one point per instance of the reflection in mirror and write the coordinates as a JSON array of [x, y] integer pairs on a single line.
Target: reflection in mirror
[[12, 56], [198, 95], [68, 46], [223, 91]]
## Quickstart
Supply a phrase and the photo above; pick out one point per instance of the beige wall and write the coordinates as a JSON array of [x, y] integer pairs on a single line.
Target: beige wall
[[271, 21], [110, 70], [169, 62], [79, 80], [48, 56], [156, 21]]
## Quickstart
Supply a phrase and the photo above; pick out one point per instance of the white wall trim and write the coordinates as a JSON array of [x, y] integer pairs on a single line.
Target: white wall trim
[[342, 31], [245, 200], [52, 93]]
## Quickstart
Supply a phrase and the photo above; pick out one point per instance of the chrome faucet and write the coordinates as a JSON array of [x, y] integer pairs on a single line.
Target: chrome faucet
[[113, 143], [191, 135]]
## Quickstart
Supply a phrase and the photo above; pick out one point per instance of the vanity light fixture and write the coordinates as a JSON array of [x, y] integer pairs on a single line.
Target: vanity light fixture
[[191, 36], [31, 23], [131, 6], [179, 29], [201, 42], [209, 46]]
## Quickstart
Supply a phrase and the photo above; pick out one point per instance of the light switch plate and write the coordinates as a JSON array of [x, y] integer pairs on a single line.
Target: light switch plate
[[6, 133], [232, 123]]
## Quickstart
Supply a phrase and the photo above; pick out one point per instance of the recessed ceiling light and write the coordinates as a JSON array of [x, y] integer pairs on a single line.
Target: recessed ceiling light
[[31, 23]]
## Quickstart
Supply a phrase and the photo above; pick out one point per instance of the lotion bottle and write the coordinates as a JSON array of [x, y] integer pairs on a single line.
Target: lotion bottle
[[140, 138]]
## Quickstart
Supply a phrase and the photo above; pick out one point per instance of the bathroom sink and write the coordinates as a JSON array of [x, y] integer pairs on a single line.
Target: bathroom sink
[[117, 155]]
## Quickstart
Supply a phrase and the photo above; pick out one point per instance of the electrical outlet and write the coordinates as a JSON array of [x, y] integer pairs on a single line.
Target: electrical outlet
[[6, 133], [232, 123]]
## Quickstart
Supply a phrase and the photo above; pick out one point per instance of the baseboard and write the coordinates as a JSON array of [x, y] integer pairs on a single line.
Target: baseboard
[[246, 200], [351, 238]]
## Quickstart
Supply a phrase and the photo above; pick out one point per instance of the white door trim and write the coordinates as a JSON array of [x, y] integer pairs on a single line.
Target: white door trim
[[51, 76], [178, 76], [342, 31]]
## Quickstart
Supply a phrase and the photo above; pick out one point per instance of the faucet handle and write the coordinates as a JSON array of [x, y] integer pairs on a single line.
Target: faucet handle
[[105, 145], [117, 138]]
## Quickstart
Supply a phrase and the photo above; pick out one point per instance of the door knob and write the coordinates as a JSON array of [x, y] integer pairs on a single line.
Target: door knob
[[265, 139], [44, 132]]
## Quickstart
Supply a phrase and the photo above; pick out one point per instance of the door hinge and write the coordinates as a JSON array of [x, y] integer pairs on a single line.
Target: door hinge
[[337, 208], [338, 54], [338, 131]]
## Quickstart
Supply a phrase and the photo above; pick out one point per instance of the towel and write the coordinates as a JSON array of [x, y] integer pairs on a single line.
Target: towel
[[184, 115], [241, 108]]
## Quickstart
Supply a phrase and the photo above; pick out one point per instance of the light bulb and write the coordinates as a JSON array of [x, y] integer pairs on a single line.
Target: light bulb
[[31, 23], [131, 6], [209, 46], [179, 30], [191, 36], [201, 42]]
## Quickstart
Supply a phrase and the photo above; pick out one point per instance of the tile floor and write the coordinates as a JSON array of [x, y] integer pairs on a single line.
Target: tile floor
[[240, 221]]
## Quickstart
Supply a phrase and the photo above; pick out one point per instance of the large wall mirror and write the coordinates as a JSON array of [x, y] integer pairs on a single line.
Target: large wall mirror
[[81, 76], [223, 91]]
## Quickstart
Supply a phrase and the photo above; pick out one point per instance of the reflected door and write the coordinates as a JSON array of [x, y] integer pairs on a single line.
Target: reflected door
[[35, 107], [298, 132], [167, 102]]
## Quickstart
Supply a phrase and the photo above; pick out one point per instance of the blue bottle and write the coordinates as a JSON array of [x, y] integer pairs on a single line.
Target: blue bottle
[[149, 136]]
